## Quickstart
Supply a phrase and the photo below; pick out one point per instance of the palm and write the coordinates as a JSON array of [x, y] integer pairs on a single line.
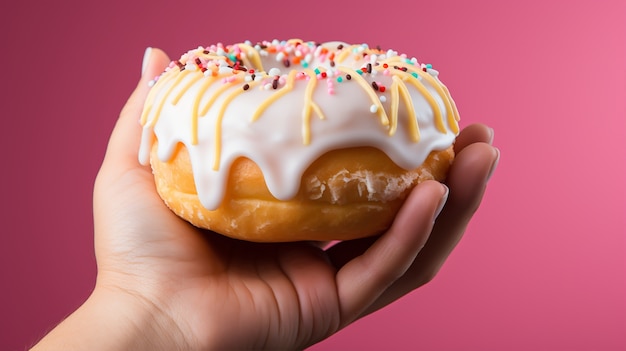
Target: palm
[[272, 294], [219, 281]]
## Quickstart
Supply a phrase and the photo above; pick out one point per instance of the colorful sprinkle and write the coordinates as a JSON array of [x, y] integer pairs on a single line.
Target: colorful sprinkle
[[274, 72], [331, 87], [228, 62]]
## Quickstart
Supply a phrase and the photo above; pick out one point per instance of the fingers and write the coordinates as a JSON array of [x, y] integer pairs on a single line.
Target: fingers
[[123, 145], [474, 164], [468, 177], [475, 133], [363, 279], [467, 182]]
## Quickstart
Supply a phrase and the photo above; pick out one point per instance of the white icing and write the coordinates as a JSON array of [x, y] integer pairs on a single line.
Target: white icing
[[275, 140]]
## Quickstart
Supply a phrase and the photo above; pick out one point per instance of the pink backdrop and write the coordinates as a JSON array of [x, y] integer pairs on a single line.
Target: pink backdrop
[[542, 266]]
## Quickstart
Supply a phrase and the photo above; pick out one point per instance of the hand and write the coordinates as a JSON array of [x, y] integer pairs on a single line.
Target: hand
[[163, 284]]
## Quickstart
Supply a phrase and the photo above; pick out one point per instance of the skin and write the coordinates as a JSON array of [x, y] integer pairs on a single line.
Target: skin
[[164, 285]]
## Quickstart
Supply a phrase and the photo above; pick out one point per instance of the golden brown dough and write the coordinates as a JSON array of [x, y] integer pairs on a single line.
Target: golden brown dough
[[345, 194]]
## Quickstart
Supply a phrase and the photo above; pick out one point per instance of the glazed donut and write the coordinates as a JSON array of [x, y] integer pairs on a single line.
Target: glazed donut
[[293, 140]]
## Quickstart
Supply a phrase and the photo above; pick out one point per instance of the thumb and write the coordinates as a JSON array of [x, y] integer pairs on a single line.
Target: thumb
[[123, 188], [121, 154]]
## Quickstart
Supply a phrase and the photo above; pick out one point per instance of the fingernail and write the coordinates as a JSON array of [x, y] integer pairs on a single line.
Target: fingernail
[[442, 202], [491, 135], [146, 59], [495, 164]]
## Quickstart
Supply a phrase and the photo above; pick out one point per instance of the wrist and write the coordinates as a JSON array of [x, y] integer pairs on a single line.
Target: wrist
[[140, 323], [112, 319]]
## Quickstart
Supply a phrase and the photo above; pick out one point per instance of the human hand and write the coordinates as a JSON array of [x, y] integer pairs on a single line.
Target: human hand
[[163, 284]]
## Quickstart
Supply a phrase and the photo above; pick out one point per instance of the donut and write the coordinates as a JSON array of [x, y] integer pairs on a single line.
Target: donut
[[281, 141]]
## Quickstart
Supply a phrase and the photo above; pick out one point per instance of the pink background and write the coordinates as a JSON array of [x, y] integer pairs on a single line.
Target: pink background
[[542, 266]]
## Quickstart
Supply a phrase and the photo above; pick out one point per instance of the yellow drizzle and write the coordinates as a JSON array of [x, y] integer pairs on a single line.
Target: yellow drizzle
[[438, 116], [255, 60], [284, 90], [398, 88], [218, 127], [216, 94], [452, 112], [309, 105], [196, 107], [295, 41], [370, 92], [209, 56], [453, 104], [184, 89], [179, 78], [344, 53], [152, 95]]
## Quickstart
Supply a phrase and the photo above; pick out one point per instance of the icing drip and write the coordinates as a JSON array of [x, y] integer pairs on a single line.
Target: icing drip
[[259, 101]]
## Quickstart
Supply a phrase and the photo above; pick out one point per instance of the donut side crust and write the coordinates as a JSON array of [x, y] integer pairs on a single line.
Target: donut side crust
[[345, 194]]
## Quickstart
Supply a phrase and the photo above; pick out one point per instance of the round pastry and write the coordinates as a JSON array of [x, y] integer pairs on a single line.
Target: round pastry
[[293, 140]]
